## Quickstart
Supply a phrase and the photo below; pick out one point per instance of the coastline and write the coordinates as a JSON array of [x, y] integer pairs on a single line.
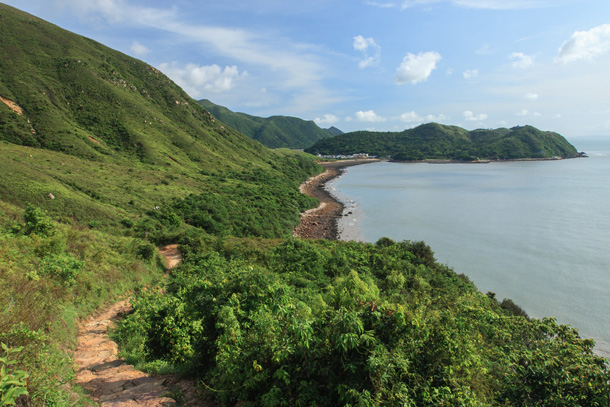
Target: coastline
[[487, 161], [322, 222]]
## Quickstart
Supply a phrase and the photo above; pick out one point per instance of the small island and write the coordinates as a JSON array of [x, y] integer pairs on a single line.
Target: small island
[[433, 141]]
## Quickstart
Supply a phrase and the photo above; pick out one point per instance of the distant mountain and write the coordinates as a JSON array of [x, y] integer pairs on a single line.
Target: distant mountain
[[334, 131], [436, 141], [274, 131]]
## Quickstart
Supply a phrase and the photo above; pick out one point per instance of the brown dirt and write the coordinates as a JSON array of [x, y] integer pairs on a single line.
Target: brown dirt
[[14, 106], [109, 379], [171, 254], [321, 222]]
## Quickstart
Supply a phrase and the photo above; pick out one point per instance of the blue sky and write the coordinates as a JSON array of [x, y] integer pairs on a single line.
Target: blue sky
[[381, 65]]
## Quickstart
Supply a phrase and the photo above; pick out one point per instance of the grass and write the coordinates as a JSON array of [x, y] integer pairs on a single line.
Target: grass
[[102, 141], [40, 309]]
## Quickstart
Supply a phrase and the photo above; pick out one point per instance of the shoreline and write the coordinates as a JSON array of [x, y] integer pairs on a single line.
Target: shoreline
[[486, 161], [322, 222]]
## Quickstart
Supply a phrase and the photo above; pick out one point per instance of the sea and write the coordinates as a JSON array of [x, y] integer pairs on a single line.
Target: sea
[[537, 232]]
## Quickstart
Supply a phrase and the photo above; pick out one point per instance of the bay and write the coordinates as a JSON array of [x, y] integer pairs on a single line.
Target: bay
[[537, 232]]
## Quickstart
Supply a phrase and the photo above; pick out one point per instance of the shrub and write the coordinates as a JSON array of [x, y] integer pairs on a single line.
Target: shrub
[[12, 382], [146, 251], [37, 222], [63, 267], [513, 308]]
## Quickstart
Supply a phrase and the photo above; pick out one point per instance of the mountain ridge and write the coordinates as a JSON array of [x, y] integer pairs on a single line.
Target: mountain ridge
[[274, 131]]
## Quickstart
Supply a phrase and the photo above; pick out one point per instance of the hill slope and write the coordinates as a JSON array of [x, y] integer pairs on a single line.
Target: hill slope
[[436, 141], [82, 98], [274, 131], [110, 136]]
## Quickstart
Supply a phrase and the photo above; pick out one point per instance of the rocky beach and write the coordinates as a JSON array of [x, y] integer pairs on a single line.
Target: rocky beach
[[321, 222]]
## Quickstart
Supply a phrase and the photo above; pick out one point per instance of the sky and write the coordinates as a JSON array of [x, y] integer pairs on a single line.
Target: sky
[[382, 65]]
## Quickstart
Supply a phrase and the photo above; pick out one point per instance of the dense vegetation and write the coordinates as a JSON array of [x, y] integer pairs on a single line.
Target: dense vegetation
[[334, 131], [103, 187], [105, 158], [436, 141], [51, 274], [274, 131], [300, 323]]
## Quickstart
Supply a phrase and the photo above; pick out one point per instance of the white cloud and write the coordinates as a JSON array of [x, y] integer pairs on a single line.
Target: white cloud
[[484, 50], [288, 66], [113, 11], [326, 119], [484, 4], [416, 68], [413, 117], [381, 5], [525, 112], [502, 4], [586, 45], [470, 116], [520, 60], [531, 96], [471, 73], [363, 45], [197, 80], [369, 116], [139, 49], [410, 117]]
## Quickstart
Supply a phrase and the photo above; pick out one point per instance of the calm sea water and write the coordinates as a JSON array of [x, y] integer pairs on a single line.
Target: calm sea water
[[536, 232]]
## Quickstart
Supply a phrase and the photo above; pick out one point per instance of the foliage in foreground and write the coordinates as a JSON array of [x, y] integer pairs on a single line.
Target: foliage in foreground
[[334, 323], [51, 274]]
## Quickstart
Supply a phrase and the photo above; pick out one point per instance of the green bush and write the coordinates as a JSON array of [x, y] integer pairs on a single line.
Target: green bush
[[146, 251], [12, 381], [63, 267], [345, 324], [37, 222]]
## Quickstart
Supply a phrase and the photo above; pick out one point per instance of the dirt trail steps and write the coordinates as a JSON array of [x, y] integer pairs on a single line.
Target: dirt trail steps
[[109, 379]]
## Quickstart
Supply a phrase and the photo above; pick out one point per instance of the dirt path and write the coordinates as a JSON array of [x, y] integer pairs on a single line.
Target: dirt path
[[109, 379], [171, 254]]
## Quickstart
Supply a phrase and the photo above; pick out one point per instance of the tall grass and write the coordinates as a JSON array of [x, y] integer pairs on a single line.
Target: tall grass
[[44, 295]]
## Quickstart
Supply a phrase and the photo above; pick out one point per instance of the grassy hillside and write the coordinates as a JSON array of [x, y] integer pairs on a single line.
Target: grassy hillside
[[107, 135], [112, 159], [436, 141], [274, 131], [84, 99]]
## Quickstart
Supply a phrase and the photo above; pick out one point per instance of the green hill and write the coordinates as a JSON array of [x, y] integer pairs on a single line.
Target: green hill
[[436, 141], [106, 134], [334, 131], [274, 131], [81, 98]]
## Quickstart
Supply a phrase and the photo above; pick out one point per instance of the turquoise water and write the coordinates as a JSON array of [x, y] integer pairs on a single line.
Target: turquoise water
[[536, 232]]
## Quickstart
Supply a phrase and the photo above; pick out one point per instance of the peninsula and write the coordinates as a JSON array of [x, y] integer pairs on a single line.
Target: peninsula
[[441, 142]]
